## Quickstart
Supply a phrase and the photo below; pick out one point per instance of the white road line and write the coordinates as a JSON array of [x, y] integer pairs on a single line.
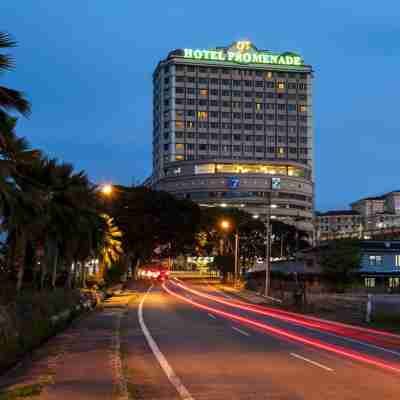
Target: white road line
[[240, 331], [312, 362], [212, 316], [173, 378]]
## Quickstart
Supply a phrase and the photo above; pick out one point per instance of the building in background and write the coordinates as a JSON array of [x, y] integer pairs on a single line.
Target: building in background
[[339, 222], [367, 215], [233, 128]]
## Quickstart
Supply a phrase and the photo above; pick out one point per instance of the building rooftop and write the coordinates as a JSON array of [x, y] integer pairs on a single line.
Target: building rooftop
[[337, 212]]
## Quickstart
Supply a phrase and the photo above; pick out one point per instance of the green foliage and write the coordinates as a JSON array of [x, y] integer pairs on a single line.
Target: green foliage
[[225, 264], [340, 260]]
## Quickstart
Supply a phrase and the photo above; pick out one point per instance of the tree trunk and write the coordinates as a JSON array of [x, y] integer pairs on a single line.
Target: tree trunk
[[55, 263], [19, 257]]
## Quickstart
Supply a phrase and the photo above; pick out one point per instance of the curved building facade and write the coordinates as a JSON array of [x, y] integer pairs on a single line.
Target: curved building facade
[[233, 128]]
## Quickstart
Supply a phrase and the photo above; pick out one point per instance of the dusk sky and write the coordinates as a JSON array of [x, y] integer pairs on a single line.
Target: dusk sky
[[87, 68]]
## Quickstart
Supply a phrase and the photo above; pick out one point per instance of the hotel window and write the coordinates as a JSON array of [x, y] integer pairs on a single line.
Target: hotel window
[[236, 104], [302, 108], [268, 75], [214, 81], [203, 103], [291, 107], [214, 125], [203, 80], [259, 84], [237, 115], [179, 90], [179, 124], [248, 149], [248, 116], [259, 117], [236, 83], [202, 115], [280, 85], [248, 104], [270, 85], [214, 103], [237, 93], [237, 148], [225, 92], [259, 106], [237, 126], [375, 260], [179, 146], [226, 82], [189, 146], [214, 136], [213, 147], [281, 150], [226, 125], [226, 115], [226, 104], [190, 90], [226, 136], [189, 124], [259, 127], [203, 147], [214, 92], [397, 260], [178, 135], [203, 92], [248, 94], [179, 158]]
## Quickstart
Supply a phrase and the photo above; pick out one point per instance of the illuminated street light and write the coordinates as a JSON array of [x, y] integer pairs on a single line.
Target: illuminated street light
[[256, 216], [107, 189], [223, 205], [225, 224]]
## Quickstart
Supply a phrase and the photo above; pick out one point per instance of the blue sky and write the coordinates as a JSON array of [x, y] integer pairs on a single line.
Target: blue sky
[[87, 68]]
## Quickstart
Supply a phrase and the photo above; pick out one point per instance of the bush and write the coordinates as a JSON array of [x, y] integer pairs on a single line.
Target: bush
[[29, 320]]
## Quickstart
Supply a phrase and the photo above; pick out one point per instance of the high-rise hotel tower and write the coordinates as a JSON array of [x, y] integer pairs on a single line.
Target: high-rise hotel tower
[[233, 128]]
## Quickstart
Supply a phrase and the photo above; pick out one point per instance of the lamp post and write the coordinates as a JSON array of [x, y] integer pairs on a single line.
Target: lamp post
[[268, 244], [226, 225]]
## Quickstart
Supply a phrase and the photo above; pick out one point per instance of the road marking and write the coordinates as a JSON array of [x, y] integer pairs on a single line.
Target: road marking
[[173, 378], [212, 316], [240, 331], [312, 362]]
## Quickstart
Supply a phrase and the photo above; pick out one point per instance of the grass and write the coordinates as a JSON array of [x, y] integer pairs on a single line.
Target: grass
[[22, 392]]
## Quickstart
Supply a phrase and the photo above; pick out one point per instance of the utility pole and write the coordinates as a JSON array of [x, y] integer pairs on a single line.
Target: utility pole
[[236, 256], [267, 246]]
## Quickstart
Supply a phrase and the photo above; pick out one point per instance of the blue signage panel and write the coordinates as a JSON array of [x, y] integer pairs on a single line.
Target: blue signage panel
[[233, 182], [276, 183]]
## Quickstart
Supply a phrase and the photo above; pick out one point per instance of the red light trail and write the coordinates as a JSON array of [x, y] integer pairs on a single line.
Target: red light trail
[[291, 336], [358, 333]]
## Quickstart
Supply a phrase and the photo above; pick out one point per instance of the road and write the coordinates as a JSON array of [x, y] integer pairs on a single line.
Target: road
[[207, 345]]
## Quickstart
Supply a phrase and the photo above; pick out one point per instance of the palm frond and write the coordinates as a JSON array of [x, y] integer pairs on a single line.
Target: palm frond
[[11, 99], [6, 41]]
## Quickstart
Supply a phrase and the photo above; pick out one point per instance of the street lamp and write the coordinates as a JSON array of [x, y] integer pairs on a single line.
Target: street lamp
[[226, 225], [107, 189], [269, 206]]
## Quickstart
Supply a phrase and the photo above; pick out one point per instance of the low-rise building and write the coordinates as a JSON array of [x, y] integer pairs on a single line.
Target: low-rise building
[[380, 264]]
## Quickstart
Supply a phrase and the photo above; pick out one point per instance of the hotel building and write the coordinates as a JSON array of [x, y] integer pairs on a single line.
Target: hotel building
[[233, 128]]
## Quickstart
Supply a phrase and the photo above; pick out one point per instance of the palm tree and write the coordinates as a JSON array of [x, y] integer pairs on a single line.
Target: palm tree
[[10, 100]]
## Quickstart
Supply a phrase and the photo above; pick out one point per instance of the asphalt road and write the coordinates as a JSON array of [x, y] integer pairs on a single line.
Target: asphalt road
[[213, 350]]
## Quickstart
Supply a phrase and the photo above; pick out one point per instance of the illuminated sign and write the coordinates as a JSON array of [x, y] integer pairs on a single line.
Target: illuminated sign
[[244, 52], [276, 183], [233, 182]]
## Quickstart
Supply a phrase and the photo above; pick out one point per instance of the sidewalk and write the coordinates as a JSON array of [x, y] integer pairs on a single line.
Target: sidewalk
[[82, 363]]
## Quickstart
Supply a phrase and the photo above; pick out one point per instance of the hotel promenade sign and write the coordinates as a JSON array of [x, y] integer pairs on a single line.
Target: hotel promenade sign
[[244, 52]]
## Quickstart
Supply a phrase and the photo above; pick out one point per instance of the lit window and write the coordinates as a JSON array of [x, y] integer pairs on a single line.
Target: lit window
[[369, 282], [179, 146], [189, 124], [303, 108], [202, 115], [268, 75], [203, 92], [394, 282], [280, 85], [375, 260], [397, 260], [258, 106], [204, 169], [281, 150], [179, 158], [179, 124]]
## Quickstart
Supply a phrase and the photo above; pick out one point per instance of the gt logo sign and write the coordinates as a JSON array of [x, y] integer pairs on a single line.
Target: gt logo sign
[[243, 45]]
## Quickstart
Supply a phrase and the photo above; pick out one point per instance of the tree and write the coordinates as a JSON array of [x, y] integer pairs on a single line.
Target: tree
[[10, 100], [340, 259], [225, 264]]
